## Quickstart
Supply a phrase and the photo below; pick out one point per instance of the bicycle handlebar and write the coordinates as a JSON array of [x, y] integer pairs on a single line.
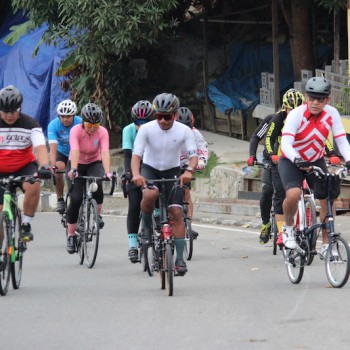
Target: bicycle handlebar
[[22, 178], [95, 179], [342, 171]]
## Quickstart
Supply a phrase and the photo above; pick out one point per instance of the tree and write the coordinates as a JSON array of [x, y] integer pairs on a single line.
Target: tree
[[103, 35]]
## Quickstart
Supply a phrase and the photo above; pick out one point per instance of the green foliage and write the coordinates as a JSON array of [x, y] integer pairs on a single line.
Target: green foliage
[[332, 5], [343, 105], [104, 35], [212, 162]]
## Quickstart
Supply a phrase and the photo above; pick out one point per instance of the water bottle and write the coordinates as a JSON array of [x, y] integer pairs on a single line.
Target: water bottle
[[167, 231]]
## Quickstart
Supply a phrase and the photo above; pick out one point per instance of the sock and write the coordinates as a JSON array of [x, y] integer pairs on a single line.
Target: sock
[[156, 212], [26, 219], [132, 238], [179, 244], [279, 225], [71, 229], [147, 220]]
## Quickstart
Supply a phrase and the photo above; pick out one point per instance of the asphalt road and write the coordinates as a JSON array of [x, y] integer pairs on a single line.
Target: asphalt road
[[236, 295]]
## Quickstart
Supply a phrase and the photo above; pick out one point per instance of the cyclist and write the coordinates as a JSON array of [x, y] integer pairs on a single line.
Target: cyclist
[[303, 144], [266, 179], [142, 112], [291, 99], [20, 135], [89, 156], [58, 135], [160, 143], [185, 116]]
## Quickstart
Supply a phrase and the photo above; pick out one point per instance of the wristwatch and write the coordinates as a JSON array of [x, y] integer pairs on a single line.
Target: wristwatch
[[189, 169]]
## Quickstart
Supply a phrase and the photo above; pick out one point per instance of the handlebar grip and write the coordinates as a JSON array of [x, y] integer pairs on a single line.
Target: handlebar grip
[[114, 178]]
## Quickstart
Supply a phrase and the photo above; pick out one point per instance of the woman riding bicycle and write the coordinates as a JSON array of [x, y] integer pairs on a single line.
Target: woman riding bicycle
[[89, 156]]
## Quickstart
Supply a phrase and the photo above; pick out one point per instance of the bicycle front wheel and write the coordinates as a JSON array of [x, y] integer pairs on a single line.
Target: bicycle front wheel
[[92, 234], [274, 234], [169, 269], [149, 258], [18, 251], [311, 218], [188, 239], [338, 262], [294, 264], [5, 254]]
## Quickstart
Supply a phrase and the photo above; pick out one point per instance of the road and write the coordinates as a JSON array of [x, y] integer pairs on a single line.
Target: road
[[236, 295]]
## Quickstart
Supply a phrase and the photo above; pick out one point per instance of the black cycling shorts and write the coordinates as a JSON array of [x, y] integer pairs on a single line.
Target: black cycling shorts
[[173, 196]]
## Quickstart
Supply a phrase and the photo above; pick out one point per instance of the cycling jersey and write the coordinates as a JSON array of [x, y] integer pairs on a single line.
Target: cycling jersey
[[274, 134], [17, 142], [89, 146], [202, 148], [161, 149], [258, 134], [129, 136], [305, 135], [58, 133]]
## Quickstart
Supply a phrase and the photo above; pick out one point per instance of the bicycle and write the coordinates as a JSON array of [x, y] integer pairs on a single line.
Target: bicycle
[[88, 224], [158, 254], [337, 259], [12, 248]]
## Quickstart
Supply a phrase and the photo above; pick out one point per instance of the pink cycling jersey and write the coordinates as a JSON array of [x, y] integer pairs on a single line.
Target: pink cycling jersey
[[89, 146], [304, 135]]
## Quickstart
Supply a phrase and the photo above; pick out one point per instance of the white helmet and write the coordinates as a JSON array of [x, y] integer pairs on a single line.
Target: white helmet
[[67, 107]]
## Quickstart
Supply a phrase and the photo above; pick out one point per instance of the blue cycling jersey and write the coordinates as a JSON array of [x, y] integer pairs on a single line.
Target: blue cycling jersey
[[58, 133], [129, 135]]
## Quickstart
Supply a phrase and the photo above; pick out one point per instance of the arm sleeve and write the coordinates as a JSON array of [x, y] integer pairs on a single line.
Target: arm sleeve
[[258, 135], [190, 143], [127, 160], [74, 138], [140, 142], [202, 146], [104, 139]]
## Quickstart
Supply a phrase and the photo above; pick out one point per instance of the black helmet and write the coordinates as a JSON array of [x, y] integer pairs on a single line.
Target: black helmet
[[166, 103], [10, 99], [293, 98], [92, 113], [318, 87], [185, 116], [142, 112]]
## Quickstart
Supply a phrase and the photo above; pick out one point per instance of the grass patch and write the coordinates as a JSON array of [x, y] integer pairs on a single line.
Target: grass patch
[[212, 162]]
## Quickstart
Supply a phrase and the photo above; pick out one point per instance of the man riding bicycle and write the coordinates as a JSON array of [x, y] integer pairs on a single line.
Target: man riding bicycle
[[160, 143], [20, 135], [185, 116], [303, 144], [58, 135]]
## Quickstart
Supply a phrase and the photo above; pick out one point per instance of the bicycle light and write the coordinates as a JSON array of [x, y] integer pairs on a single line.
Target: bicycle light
[[93, 187]]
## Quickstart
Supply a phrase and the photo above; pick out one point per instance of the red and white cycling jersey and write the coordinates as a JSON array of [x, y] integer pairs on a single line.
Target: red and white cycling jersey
[[304, 135], [17, 142]]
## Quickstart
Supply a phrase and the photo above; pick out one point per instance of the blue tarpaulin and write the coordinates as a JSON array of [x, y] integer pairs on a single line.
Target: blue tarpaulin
[[33, 76], [239, 87]]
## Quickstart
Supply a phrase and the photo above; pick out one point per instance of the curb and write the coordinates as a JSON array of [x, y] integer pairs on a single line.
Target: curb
[[212, 213]]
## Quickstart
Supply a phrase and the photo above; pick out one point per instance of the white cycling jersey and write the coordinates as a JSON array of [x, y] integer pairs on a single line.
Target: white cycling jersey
[[202, 149], [161, 149]]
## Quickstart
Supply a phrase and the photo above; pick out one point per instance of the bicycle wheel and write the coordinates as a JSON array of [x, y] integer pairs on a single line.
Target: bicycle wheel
[[169, 269], [274, 234], [19, 249], [188, 239], [338, 262], [5, 254], [91, 236], [149, 258], [294, 265], [311, 218], [79, 238]]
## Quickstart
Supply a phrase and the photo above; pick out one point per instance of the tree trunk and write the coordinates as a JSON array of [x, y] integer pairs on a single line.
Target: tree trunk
[[298, 20]]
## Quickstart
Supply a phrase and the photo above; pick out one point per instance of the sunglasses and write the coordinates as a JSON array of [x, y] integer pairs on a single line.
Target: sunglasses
[[319, 99], [92, 125], [166, 117]]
